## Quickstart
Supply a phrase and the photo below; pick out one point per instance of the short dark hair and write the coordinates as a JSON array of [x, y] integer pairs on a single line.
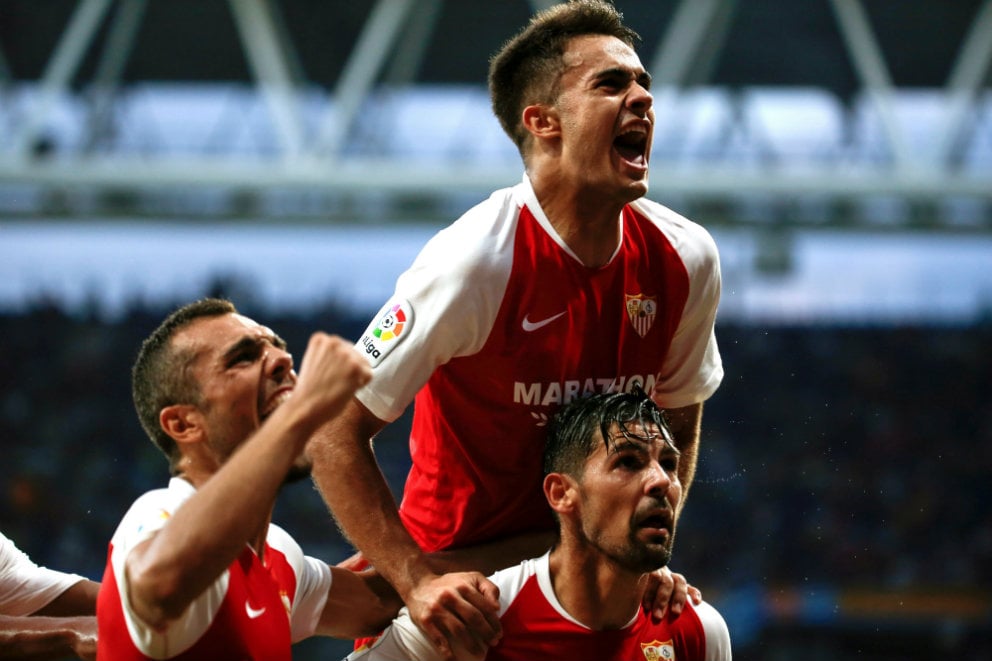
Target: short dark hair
[[528, 67], [572, 431], [160, 377]]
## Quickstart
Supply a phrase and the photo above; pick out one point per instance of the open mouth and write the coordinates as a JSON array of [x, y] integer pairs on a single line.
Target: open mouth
[[656, 522], [632, 147], [274, 402]]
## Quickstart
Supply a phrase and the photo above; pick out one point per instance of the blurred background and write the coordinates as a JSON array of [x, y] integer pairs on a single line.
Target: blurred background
[[294, 155]]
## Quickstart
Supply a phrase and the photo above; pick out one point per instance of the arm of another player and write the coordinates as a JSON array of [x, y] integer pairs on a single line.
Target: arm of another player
[[359, 604], [685, 423], [454, 610], [38, 638], [403, 641], [79, 599]]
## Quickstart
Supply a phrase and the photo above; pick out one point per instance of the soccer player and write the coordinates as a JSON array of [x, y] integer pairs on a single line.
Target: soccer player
[[44, 613], [197, 570], [566, 284], [612, 480]]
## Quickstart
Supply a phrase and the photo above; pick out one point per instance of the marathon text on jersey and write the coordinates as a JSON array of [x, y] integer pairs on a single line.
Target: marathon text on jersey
[[556, 394]]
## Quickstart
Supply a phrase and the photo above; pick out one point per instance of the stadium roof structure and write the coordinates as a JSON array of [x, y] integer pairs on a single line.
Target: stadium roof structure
[[770, 113]]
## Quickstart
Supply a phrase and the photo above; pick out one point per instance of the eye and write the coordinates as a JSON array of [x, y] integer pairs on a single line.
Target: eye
[[611, 85], [629, 461], [245, 356], [669, 464]]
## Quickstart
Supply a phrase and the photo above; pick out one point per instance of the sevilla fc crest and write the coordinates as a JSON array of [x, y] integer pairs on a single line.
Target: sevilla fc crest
[[658, 651], [641, 310]]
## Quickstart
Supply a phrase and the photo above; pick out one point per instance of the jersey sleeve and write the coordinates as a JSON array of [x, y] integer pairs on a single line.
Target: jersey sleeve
[[716, 632], [146, 517], [401, 641], [448, 300], [26, 587], [693, 369], [313, 584]]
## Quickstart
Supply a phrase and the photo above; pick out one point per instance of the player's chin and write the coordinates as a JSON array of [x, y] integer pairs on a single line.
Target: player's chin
[[634, 185]]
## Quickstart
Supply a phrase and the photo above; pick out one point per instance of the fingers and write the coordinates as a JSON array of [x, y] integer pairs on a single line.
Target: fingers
[[666, 591], [679, 594], [331, 371], [459, 613], [658, 590]]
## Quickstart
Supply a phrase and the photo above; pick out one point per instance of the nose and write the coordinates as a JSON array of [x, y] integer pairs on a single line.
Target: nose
[[640, 99], [658, 480], [279, 363]]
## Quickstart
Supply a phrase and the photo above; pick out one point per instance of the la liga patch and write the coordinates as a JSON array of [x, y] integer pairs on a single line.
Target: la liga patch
[[391, 325]]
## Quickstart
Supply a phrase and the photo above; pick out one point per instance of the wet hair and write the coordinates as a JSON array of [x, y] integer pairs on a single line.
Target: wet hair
[[160, 375], [572, 432], [528, 68]]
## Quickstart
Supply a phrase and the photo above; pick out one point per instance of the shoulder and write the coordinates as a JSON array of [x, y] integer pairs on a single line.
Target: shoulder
[[10, 555], [151, 511], [477, 239], [683, 233], [511, 581], [280, 540], [715, 630]]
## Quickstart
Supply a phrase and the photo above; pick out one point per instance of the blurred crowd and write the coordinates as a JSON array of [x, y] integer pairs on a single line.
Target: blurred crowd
[[843, 456]]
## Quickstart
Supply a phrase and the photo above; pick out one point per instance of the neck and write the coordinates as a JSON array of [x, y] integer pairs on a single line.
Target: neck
[[588, 223], [592, 589]]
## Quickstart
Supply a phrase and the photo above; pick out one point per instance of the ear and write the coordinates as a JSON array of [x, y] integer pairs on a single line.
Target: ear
[[541, 121], [561, 492], [182, 422]]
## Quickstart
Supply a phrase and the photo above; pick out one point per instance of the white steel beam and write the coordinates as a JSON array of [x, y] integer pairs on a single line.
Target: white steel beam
[[870, 66], [106, 81], [378, 36], [267, 58], [399, 176], [970, 70], [61, 67]]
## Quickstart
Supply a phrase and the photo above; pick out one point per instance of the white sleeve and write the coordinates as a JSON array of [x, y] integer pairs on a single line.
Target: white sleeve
[[693, 368], [146, 517], [313, 583], [717, 633], [26, 587], [446, 301], [401, 641]]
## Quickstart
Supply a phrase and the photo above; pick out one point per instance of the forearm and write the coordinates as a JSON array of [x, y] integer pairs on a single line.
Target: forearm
[[348, 477], [359, 604], [36, 638], [79, 599], [493, 556], [685, 424]]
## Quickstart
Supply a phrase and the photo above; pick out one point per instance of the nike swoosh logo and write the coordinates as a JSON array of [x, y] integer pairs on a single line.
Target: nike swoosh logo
[[252, 612], [529, 325]]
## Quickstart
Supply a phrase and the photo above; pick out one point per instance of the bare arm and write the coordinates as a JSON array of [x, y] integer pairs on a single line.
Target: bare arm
[[39, 638], [685, 424], [79, 599], [360, 604], [493, 556], [167, 572], [452, 608]]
